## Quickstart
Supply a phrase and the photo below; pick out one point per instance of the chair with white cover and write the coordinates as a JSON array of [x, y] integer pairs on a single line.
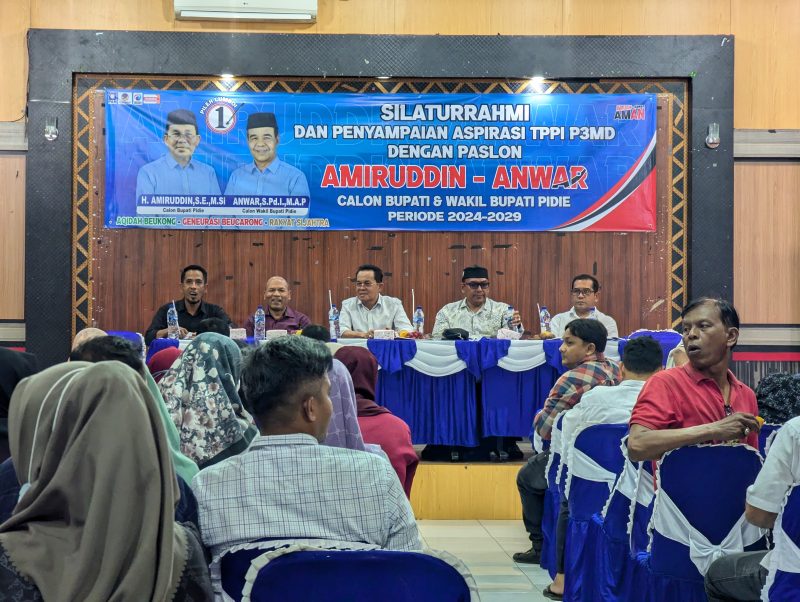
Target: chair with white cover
[[593, 462], [766, 434], [783, 578], [698, 516], [610, 532], [302, 573], [556, 476]]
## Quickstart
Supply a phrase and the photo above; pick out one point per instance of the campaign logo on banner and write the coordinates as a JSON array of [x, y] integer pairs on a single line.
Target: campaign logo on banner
[[248, 160]]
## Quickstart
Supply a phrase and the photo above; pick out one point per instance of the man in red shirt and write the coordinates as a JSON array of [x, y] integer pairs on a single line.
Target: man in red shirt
[[701, 401]]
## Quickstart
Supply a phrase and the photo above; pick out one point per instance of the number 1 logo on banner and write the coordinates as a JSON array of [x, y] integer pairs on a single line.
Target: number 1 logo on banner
[[221, 116]]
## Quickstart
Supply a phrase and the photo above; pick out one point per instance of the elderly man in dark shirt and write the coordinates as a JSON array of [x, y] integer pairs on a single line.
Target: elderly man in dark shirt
[[191, 309]]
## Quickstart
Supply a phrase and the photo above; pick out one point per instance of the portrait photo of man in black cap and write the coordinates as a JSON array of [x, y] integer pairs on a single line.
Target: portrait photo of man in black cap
[[266, 175], [177, 173]]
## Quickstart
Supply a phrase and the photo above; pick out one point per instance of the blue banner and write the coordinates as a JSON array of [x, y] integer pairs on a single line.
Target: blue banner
[[305, 161]]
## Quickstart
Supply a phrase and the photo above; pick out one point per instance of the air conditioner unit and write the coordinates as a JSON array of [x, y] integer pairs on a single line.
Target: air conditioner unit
[[287, 11]]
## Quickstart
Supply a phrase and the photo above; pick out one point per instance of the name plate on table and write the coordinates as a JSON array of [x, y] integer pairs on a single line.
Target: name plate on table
[[274, 334], [387, 335], [238, 333]]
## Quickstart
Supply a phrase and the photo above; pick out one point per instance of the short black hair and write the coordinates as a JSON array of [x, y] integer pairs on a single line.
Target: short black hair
[[595, 281], [194, 266], [643, 355], [217, 325], [108, 348], [375, 270], [589, 330], [317, 332], [276, 373], [728, 313]]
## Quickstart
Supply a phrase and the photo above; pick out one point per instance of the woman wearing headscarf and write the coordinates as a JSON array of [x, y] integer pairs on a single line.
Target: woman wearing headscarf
[[14, 366], [378, 424], [201, 394], [95, 514]]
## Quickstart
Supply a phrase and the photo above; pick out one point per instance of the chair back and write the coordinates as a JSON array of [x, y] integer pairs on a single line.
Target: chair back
[[158, 345], [595, 461], [698, 514], [134, 337], [668, 339], [617, 511], [783, 582], [355, 576], [765, 436], [642, 511], [556, 475]]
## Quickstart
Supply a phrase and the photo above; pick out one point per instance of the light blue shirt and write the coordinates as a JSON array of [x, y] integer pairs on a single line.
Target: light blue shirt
[[166, 176], [278, 178]]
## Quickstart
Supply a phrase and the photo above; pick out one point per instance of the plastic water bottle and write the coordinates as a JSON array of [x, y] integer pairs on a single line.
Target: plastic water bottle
[[419, 320], [544, 319], [333, 323], [510, 319], [259, 324], [173, 329]]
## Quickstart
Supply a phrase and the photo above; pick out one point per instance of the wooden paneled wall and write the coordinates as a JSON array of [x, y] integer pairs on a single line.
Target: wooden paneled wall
[[767, 241], [12, 236]]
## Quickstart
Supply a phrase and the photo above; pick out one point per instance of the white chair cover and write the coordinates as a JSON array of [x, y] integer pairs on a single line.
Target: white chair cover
[[555, 448], [584, 466], [784, 556], [670, 522]]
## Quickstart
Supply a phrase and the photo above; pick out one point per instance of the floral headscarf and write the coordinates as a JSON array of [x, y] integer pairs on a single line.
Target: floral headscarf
[[201, 393]]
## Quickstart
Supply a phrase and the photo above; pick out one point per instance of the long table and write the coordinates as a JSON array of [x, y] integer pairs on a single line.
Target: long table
[[435, 385]]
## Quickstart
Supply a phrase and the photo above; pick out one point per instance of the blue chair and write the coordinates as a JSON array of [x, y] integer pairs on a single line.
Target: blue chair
[[355, 576], [594, 462], [783, 580], [698, 515], [764, 437], [609, 531], [668, 339], [159, 345], [552, 499]]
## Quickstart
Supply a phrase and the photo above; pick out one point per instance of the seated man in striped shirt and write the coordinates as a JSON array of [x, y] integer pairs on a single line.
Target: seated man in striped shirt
[[582, 348], [286, 486]]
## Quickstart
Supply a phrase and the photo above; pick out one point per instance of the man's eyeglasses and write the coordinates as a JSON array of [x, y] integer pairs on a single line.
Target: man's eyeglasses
[[364, 284], [476, 285], [175, 136], [584, 292]]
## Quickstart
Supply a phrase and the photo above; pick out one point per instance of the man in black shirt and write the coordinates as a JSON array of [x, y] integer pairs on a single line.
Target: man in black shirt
[[191, 309]]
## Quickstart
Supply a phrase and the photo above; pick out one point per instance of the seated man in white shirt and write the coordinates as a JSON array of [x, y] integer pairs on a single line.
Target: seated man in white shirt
[[742, 576], [641, 359], [476, 313], [369, 310], [286, 486], [585, 294]]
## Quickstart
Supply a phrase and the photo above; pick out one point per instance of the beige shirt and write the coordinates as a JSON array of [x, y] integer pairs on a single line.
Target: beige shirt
[[559, 322]]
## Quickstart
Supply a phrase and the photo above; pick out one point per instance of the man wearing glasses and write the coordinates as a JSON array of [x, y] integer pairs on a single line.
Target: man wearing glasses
[[476, 312], [369, 310], [584, 294], [176, 173]]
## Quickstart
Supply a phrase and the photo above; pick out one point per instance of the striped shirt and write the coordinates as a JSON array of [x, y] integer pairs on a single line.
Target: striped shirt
[[571, 386], [291, 487]]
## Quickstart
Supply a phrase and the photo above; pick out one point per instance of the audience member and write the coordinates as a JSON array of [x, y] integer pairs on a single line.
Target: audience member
[[613, 405], [217, 325], [14, 366], [320, 333], [378, 424], [742, 576], [162, 361], [80, 531], [287, 486], [111, 348], [700, 401], [476, 313], [778, 397], [201, 394], [584, 342], [585, 294], [278, 314], [191, 308], [369, 310], [86, 334]]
